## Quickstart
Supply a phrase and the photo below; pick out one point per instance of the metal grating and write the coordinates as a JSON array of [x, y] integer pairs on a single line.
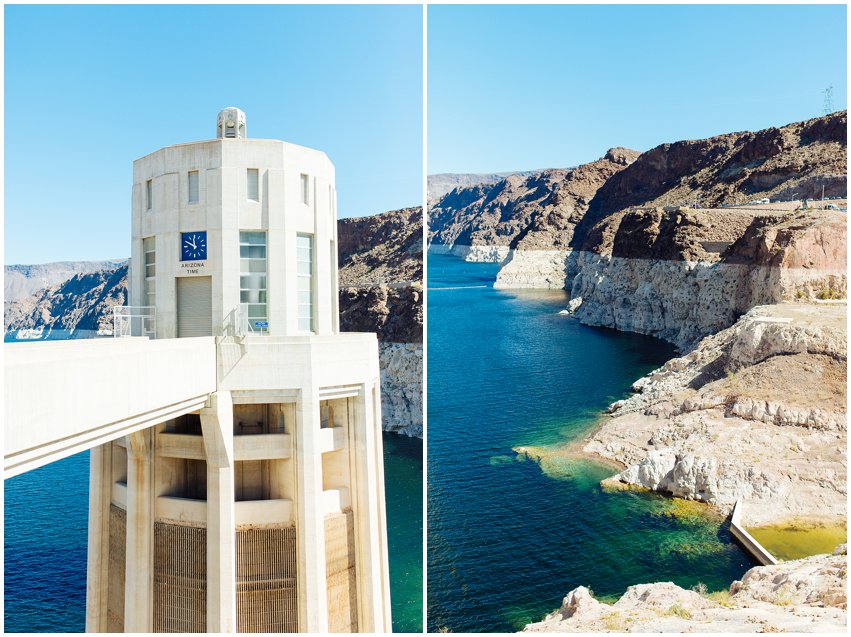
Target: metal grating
[[266, 587], [340, 573], [117, 565], [180, 578]]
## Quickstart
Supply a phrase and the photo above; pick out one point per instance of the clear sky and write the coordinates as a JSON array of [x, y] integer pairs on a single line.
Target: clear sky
[[523, 87], [89, 89]]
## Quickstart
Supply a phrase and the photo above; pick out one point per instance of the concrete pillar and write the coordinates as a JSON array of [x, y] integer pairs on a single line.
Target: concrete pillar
[[383, 611], [312, 580], [139, 568], [217, 428], [370, 524], [97, 569]]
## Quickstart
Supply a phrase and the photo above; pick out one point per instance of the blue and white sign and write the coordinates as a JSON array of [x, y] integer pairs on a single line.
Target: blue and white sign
[[261, 324]]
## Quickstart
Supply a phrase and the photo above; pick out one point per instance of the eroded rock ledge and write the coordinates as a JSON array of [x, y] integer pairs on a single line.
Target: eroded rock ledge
[[805, 595], [756, 412]]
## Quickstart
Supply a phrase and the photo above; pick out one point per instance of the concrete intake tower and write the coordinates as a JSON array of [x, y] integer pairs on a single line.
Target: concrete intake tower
[[247, 493]]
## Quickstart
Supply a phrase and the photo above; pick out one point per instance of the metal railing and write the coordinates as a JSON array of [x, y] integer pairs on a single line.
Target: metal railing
[[237, 323], [134, 320]]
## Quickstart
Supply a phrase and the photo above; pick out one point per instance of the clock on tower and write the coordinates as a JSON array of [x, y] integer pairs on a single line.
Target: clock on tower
[[193, 246]]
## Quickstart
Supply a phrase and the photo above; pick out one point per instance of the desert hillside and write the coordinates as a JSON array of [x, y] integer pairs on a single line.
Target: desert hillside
[[558, 208]]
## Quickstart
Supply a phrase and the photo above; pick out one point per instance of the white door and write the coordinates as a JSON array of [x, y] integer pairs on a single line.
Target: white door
[[194, 306]]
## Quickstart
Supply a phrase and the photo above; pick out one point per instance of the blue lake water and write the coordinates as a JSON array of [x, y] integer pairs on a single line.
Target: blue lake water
[[508, 537], [46, 519]]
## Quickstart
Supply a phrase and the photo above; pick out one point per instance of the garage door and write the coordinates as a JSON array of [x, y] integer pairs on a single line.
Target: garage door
[[194, 306]]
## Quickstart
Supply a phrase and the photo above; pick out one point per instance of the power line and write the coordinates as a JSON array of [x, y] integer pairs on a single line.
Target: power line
[[828, 100]]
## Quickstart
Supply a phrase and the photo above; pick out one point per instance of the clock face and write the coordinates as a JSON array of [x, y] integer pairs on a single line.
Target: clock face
[[193, 246]]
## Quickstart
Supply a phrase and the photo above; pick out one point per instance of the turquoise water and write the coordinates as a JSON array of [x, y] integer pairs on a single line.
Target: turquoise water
[[403, 486], [506, 540], [46, 517]]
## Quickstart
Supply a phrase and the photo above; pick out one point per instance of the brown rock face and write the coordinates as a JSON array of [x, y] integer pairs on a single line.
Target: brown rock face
[[681, 234], [526, 211], [794, 161], [381, 271], [382, 248], [804, 240], [394, 313]]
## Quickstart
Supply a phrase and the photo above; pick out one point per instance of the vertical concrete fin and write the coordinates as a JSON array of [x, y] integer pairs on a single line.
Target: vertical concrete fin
[[217, 428], [97, 570], [312, 581], [139, 584], [371, 542]]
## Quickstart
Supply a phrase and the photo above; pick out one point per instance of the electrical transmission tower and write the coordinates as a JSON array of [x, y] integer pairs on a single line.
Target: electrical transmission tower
[[828, 100]]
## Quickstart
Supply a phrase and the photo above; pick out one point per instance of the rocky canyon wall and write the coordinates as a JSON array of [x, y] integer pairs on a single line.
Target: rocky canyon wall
[[665, 282], [381, 272]]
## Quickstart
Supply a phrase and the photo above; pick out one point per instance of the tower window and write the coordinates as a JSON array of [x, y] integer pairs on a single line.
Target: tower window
[[304, 256], [149, 194], [149, 248], [193, 186], [253, 184], [305, 189], [252, 275]]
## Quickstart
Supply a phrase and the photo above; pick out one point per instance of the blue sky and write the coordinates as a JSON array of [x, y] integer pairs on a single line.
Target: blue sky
[[522, 87], [89, 89]]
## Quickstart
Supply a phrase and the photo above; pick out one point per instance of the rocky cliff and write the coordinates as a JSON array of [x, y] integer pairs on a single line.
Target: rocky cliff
[[381, 271], [386, 248], [800, 596], [684, 274], [82, 304], [790, 162], [20, 281], [756, 412], [536, 211], [441, 183]]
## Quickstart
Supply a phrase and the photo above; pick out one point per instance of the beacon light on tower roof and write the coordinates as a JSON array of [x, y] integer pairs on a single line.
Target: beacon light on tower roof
[[231, 124]]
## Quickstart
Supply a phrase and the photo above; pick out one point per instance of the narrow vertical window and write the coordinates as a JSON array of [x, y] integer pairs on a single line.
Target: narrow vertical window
[[253, 184], [304, 256], [193, 186], [149, 194], [305, 189], [150, 253], [252, 277]]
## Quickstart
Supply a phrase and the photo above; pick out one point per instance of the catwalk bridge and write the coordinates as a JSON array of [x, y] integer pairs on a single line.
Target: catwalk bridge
[[63, 397]]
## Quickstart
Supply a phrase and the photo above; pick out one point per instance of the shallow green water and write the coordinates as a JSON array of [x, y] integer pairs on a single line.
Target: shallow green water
[[794, 541]]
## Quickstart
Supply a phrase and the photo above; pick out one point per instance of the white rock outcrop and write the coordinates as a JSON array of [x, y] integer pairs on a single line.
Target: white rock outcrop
[[402, 387], [694, 429], [805, 595], [474, 253], [680, 301], [548, 269]]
